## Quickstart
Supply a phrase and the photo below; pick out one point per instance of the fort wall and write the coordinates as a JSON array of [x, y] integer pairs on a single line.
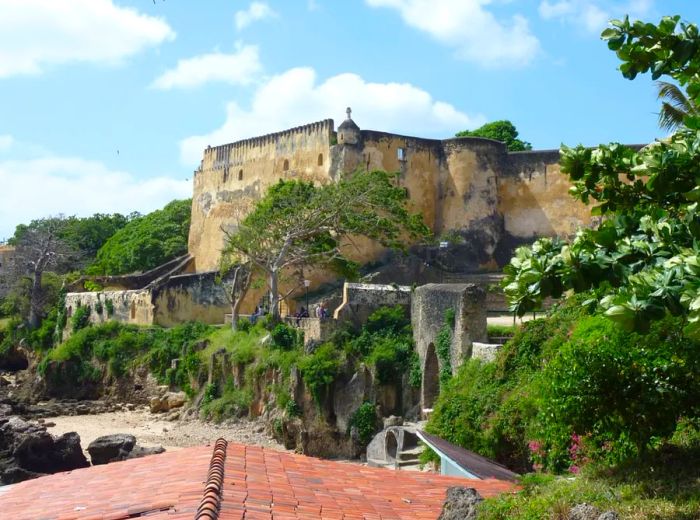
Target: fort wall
[[232, 176]]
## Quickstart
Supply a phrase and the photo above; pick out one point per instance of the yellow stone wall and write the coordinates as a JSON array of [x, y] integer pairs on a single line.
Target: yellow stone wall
[[493, 199]]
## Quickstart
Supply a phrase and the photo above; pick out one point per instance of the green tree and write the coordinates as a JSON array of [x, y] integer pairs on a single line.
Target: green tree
[[643, 260], [297, 225], [675, 106], [147, 241], [503, 131], [83, 234]]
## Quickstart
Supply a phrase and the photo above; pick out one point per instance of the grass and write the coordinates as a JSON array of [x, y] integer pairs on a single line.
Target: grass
[[4, 322], [501, 331], [242, 346], [664, 485]]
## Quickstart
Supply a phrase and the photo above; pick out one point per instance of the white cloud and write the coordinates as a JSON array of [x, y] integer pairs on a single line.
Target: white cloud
[[238, 68], [46, 186], [295, 97], [37, 33], [592, 15], [474, 32], [256, 11]]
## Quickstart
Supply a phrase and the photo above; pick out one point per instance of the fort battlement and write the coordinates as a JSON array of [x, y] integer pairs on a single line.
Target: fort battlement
[[234, 154]]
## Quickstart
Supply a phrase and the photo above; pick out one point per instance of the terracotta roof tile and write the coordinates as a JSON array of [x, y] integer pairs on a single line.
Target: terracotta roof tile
[[258, 484]]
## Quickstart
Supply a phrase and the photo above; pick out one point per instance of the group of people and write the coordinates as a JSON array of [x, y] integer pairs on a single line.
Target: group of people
[[321, 313]]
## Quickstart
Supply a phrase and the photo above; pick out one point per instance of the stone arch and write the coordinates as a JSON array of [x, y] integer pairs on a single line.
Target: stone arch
[[431, 378], [285, 166], [240, 175], [320, 159], [133, 310]]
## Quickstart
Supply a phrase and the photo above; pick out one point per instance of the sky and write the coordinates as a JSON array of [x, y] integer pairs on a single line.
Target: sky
[[106, 105]]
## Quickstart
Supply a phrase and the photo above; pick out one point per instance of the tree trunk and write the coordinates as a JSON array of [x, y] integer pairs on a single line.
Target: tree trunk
[[35, 301], [274, 297]]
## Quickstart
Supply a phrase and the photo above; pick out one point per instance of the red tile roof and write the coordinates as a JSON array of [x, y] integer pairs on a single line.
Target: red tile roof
[[258, 483]]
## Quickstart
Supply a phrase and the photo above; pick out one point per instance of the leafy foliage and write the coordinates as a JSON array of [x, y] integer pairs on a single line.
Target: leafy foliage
[[146, 242], [83, 234], [320, 369], [297, 225], [81, 318], [503, 131], [366, 421], [642, 260], [572, 380], [284, 336]]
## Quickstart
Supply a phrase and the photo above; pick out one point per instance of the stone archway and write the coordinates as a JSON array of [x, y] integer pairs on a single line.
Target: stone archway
[[431, 378]]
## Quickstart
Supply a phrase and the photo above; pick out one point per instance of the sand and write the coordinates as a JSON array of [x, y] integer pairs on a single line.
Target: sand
[[152, 429]]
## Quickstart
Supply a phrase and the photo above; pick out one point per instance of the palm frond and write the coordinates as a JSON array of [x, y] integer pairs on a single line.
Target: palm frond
[[675, 106]]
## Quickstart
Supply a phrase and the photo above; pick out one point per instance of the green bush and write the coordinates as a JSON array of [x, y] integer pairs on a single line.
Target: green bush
[[320, 369], [234, 402], [292, 409], [366, 421], [81, 318], [109, 306], [391, 356], [387, 320], [284, 336], [618, 392]]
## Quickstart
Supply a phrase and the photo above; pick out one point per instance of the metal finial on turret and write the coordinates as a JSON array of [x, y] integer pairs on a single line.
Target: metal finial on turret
[[348, 111]]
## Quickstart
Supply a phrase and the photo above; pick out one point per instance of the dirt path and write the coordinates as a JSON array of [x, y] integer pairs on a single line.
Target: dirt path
[[152, 430]]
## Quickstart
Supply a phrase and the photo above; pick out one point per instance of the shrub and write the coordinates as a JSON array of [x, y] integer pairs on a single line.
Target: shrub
[[391, 357], [386, 320], [109, 306], [366, 421], [98, 307], [292, 408], [617, 391], [233, 402], [320, 369], [284, 336], [81, 318]]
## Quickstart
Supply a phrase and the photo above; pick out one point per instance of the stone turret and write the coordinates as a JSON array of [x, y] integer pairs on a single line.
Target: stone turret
[[348, 131]]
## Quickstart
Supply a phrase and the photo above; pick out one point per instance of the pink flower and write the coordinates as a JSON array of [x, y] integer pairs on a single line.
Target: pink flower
[[574, 469], [534, 446]]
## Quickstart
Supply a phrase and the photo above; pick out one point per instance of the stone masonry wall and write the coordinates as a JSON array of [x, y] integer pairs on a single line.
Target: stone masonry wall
[[360, 300]]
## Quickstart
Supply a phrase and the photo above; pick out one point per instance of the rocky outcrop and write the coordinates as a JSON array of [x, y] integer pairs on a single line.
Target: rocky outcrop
[[168, 401], [462, 503], [586, 511], [120, 446], [29, 451]]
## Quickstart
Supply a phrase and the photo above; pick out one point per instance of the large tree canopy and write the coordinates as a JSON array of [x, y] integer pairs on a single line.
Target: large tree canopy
[[297, 225], [503, 131], [643, 259], [83, 234], [147, 241]]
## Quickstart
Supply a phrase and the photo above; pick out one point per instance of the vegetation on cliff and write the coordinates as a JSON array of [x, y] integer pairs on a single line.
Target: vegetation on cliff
[[146, 241]]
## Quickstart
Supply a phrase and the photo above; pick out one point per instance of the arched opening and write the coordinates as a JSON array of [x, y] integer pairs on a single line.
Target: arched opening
[[285, 167], [240, 175], [320, 159], [391, 444], [133, 310], [431, 377], [70, 311], [225, 174]]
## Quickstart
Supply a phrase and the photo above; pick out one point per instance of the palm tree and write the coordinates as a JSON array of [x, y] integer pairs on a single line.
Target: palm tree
[[675, 106]]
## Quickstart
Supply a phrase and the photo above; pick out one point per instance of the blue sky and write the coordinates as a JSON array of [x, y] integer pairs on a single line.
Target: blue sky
[[105, 105]]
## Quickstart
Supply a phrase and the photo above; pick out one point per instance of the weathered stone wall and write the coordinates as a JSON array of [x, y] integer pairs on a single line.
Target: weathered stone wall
[[231, 177], [135, 307], [189, 297], [429, 306], [362, 299]]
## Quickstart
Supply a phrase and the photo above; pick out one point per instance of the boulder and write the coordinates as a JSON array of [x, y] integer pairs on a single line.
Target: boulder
[[393, 420], [609, 515], [167, 402], [584, 511], [29, 451], [461, 504], [120, 446], [111, 448]]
